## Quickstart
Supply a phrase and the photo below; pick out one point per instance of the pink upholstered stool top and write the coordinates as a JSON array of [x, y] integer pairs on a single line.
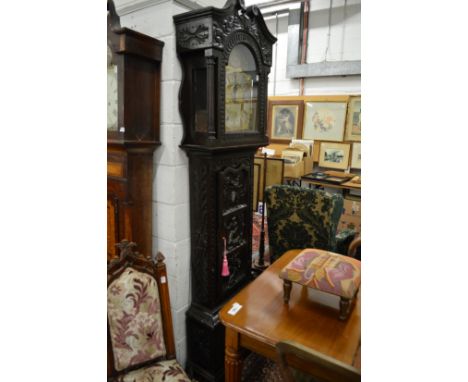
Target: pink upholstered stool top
[[325, 271]]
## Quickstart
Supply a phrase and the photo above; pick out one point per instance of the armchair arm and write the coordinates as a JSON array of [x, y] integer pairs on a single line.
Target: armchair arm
[[353, 247], [343, 240]]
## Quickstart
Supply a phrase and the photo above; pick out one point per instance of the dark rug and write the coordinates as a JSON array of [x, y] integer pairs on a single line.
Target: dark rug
[[260, 369]]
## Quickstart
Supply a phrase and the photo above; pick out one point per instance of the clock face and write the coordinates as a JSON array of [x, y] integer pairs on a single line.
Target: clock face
[[112, 94], [241, 91]]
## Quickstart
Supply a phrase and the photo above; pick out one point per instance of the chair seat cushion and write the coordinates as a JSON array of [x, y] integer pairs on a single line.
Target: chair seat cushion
[[167, 371], [325, 271]]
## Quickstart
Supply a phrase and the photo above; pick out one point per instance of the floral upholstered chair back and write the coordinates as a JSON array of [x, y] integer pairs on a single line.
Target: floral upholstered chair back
[[134, 316], [301, 218]]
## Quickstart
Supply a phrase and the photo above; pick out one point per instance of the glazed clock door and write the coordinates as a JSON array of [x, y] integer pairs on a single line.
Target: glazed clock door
[[241, 91]]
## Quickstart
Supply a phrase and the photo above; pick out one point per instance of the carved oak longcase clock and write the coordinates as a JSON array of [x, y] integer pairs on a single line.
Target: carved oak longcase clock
[[133, 87], [226, 57]]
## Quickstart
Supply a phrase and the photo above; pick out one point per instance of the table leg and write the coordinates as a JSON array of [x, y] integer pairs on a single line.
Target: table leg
[[232, 358], [345, 306], [287, 285]]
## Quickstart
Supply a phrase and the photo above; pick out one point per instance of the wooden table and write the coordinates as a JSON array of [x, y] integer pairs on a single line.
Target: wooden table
[[346, 187], [264, 320]]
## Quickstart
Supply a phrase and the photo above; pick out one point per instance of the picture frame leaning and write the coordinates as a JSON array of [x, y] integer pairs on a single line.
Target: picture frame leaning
[[334, 155], [285, 120], [324, 120], [356, 155], [353, 119]]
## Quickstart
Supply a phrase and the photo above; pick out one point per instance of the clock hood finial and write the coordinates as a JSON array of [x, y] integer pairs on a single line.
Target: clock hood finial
[[238, 4], [112, 15]]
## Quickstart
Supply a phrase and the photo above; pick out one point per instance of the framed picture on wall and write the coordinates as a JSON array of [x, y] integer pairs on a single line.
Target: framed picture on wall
[[356, 156], [324, 121], [285, 119], [334, 155], [353, 121]]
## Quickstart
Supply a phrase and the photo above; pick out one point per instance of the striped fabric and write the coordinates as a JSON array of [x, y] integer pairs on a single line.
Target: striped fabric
[[325, 271]]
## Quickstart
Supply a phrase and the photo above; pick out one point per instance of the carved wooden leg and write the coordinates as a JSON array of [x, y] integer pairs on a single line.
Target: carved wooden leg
[[232, 358], [345, 305], [287, 285]]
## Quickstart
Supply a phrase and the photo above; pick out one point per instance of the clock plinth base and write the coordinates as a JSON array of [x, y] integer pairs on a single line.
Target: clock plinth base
[[205, 345]]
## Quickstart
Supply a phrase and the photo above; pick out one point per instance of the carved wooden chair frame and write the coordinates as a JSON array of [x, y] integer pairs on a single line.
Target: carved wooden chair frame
[[130, 258]]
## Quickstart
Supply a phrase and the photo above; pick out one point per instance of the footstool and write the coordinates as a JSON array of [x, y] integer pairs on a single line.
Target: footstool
[[327, 272]]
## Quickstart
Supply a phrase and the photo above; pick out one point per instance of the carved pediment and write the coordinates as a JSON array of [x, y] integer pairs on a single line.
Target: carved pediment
[[210, 27]]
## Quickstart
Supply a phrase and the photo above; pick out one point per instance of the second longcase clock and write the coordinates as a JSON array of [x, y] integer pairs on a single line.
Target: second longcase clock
[[133, 94]]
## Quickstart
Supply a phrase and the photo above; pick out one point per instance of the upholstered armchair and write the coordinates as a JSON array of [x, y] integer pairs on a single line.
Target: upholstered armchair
[[139, 324], [304, 218]]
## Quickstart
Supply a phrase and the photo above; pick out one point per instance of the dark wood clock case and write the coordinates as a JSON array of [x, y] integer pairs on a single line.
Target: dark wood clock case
[[132, 140], [226, 58]]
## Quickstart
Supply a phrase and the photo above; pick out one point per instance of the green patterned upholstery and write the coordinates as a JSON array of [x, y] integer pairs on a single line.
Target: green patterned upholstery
[[301, 218], [343, 240]]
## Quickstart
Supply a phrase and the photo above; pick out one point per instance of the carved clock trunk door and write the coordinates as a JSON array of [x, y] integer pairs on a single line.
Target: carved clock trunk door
[[226, 57], [234, 199]]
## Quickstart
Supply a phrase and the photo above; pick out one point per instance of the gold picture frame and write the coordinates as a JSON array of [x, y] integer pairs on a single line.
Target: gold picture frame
[[324, 120], [334, 155], [353, 120], [285, 120], [356, 156]]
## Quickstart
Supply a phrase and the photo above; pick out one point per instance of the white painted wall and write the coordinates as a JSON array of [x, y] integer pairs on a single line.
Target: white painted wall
[[342, 34], [345, 44]]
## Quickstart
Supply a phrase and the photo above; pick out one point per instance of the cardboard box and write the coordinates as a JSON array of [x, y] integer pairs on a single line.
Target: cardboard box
[[349, 222], [308, 165], [294, 170], [352, 207]]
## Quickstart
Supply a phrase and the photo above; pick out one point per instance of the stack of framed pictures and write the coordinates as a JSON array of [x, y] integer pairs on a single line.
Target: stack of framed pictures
[[332, 122]]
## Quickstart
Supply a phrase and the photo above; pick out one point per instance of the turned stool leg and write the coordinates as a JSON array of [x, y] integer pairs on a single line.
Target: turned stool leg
[[287, 285], [345, 305]]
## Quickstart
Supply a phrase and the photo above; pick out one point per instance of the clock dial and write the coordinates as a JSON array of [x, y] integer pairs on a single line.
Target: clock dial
[[112, 93], [241, 91]]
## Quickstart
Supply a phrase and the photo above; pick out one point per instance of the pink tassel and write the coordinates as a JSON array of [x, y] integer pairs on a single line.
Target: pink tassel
[[225, 269]]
